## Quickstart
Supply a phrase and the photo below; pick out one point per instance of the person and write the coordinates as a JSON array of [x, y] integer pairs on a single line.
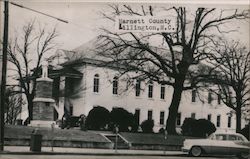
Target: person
[[165, 134], [82, 121], [65, 121]]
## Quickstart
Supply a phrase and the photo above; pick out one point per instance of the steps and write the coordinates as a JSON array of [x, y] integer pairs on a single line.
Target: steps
[[121, 142]]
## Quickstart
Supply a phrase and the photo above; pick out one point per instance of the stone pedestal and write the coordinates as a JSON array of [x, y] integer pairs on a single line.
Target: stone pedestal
[[43, 103]]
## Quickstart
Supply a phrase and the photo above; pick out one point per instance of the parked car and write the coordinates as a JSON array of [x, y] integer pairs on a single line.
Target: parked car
[[220, 144], [70, 121]]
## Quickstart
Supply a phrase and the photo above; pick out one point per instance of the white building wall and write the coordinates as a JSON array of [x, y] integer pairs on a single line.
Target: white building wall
[[87, 99]]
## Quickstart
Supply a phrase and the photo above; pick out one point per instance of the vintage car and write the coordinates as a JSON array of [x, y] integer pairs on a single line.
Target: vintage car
[[219, 144]]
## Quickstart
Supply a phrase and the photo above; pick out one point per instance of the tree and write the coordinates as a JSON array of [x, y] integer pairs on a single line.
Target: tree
[[13, 106], [172, 61], [122, 118], [26, 53], [98, 118], [147, 126], [245, 131], [231, 74], [197, 128]]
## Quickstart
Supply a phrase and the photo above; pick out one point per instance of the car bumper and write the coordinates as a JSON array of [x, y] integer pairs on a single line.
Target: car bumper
[[184, 149]]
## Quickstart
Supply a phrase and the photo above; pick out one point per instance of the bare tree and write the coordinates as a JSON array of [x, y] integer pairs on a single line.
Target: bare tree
[[172, 63], [231, 74], [13, 106], [26, 53]]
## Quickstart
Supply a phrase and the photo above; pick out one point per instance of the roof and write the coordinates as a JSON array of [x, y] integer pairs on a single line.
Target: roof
[[89, 53], [65, 71]]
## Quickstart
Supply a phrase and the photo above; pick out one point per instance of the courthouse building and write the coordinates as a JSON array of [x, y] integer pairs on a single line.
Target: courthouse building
[[82, 85]]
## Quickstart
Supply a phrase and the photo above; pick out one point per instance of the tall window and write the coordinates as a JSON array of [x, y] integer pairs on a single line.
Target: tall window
[[162, 114], [219, 99], [193, 115], [209, 97], [229, 121], [218, 121], [162, 92], [96, 83], [178, 119], [209, 117], [137, 88], [115, 85], [193, 95], [150, 115], [137, 116], [150, 89]]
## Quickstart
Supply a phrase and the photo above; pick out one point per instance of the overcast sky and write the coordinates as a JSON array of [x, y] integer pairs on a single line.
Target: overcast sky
[[84, 20]]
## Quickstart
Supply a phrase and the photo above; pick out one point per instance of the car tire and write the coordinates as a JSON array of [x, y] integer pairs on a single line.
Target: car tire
[[195, 151], [244, 155]]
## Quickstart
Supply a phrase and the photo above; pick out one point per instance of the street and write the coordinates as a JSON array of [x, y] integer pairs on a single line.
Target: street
[[7, 156]]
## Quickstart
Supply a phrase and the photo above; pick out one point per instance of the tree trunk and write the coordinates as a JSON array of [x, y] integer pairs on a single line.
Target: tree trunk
[[30, 108], [174, 106], [238, 117], [238, 111]]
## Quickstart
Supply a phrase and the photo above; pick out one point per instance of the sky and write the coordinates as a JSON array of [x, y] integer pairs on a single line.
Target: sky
[[84, 20]]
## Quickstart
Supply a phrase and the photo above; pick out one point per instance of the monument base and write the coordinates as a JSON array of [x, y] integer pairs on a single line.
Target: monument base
[[42, 123]]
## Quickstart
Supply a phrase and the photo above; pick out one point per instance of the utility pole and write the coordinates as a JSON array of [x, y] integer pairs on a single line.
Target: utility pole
[[4, 67]]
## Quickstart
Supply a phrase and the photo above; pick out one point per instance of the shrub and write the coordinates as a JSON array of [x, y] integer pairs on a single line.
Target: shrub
[[245, 131], [162, 131], [147, 126], [197, 128], [98, 118], [122, 118]]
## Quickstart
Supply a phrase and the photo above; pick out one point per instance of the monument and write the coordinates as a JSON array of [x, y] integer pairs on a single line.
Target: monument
[[43, 103]]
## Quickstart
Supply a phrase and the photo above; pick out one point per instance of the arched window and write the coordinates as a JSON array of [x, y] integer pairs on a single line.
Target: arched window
[[115, 85], [193, 95], [150, 89], [137, 88], [218, 120], [96, 83], [210, 98], [162, 91]]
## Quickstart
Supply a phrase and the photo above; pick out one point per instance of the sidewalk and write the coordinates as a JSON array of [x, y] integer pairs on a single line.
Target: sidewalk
[[86, 151]]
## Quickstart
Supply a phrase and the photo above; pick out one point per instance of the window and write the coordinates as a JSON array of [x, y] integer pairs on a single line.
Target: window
[[137, 88], [150, 89], [193, 115], [209, 98], [219, 99], [209, 117], [218, 121], [96, 83], [229, 121], [115, 85], [178, 119], [193, 95], [221, 137], [150, 114], [137, 116], [162, 91], [162, 113], [47, 104]]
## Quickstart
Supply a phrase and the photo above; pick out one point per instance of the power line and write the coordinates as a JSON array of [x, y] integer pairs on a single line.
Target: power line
[[21, 6]]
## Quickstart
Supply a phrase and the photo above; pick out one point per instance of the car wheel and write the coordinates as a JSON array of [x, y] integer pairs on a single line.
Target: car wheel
[[244, 155], [196, 151]]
